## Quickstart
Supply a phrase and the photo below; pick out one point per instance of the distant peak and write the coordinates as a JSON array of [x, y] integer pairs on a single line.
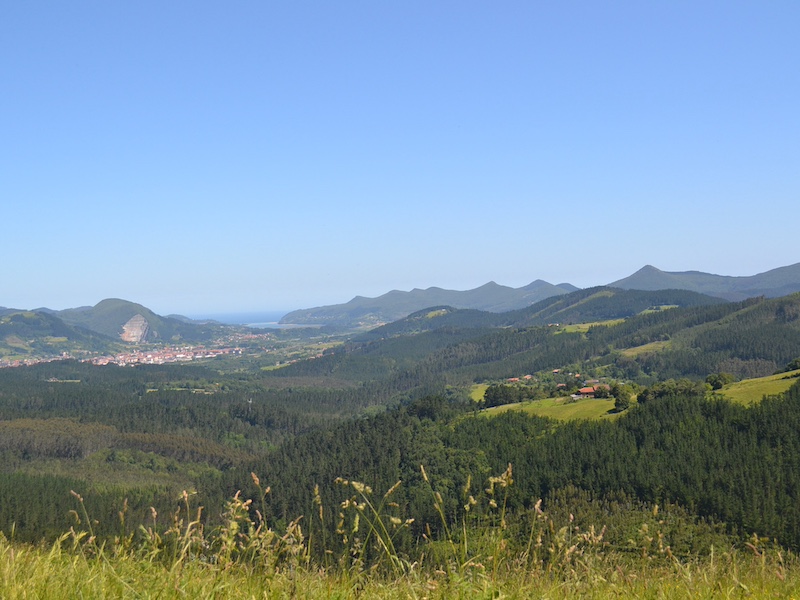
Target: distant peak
[[539, 283]]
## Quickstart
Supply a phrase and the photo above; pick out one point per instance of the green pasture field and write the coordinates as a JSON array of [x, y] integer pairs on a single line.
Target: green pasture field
[[749, 391], [561, 409], [656, 309], [651, 347], [477, 391], [14, 341], [584, 327]]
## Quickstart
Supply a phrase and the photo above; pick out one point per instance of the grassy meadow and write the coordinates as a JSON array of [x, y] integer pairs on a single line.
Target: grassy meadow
[[584, 327], [561, 409], [58, 574], [477, 391], [743, 392], [244, 559], [748, 391], [645, 349]]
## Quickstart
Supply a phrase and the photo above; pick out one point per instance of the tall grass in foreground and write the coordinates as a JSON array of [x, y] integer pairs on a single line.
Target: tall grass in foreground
[[244, 558]]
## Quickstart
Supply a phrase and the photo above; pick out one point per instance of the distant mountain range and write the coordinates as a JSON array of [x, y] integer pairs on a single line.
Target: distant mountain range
[[772, 284], [113, 322], [394, 305], [491, 297]]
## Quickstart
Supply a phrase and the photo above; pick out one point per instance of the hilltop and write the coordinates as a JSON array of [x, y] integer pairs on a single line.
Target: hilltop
[[131, 322], [774, 283], [107, 327], [581, 306]]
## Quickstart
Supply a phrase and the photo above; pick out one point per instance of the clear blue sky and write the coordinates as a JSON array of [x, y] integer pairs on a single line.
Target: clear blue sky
[[205, 157]]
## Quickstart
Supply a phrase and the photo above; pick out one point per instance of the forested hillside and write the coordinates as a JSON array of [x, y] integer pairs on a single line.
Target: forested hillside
[[581, 306], [25, 333], [750, 338], [378, 408], [730, 464]]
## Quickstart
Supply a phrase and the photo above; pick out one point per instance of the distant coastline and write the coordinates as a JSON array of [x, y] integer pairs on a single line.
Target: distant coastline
[[276, 325], [251, 319]]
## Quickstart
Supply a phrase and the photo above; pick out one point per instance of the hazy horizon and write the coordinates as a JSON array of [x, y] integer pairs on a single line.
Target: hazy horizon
[[271, 315]]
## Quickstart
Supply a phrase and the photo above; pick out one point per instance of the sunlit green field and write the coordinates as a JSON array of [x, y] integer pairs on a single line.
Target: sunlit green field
[[749, 391], [651, 347], [584, 327], [562, 409], [477, 391]]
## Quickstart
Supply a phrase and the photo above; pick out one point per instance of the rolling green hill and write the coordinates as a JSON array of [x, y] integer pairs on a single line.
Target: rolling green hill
[[581, 306], [604, 303], [45, 333], [109, 317], [26, 334], [750, 338], [749, 391]]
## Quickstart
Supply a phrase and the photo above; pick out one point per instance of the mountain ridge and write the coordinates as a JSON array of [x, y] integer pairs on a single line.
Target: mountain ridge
[[396, 304], [772, 284], [367, 312], [109, 316]]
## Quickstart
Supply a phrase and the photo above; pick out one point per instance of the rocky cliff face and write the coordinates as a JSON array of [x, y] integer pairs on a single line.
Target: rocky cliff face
[[135, 330]]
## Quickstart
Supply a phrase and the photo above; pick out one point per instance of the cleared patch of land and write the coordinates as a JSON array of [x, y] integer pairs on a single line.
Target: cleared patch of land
[[584, 327], [646, 348], [477, 391], [658, 309], [749, 391], [562, 409]]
